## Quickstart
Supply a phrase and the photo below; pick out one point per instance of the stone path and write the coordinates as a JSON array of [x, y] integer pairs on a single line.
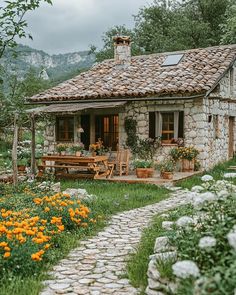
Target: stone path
[[97, 266]]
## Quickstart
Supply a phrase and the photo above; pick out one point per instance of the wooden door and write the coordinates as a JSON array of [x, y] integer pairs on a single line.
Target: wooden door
[[231, 137]]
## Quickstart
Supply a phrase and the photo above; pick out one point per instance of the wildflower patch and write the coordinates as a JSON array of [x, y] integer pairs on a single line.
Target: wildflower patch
[[30, 227]]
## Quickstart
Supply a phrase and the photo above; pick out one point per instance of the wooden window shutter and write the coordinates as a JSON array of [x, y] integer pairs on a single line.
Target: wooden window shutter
[[181, 125], [152, 125]]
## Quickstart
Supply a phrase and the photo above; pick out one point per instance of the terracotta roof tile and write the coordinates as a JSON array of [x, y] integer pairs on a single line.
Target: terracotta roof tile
[[197, 72]]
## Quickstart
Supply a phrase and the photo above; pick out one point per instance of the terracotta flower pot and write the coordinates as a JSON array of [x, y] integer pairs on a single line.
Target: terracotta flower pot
[[167, 175], [144, 172], [187, 165], [21, 168]]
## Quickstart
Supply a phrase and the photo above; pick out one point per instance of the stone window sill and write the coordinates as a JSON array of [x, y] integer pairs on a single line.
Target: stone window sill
[[169, 144]]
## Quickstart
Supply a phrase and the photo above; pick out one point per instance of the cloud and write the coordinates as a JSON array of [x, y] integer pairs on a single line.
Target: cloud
[[72, 25]]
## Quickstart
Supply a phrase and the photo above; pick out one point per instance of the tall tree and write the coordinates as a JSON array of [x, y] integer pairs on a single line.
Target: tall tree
[[173, 25], [12, 22], [229, 27]]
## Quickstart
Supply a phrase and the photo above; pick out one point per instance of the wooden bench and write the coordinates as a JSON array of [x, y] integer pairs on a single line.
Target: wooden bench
[[83, 171]]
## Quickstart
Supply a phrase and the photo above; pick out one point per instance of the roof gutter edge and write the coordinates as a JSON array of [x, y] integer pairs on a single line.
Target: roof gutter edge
[[120, 99]]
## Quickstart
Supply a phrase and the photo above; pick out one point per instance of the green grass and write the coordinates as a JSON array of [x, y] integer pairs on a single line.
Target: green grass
[[117, 197], [138, 263], [217, 172]]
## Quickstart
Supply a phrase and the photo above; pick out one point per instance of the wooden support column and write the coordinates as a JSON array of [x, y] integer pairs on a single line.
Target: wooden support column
[[33, 145], [14, 150]]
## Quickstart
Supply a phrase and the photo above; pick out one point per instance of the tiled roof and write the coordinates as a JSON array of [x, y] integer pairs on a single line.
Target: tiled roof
[[197, 72]]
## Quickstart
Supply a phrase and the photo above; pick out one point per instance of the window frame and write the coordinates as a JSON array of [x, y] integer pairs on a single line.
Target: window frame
[[66, 125], [157, 128]]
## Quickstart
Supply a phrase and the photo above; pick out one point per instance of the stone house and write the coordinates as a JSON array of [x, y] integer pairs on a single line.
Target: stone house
[[188, 94]]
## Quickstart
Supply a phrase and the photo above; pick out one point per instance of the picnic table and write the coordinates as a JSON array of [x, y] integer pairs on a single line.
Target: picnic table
[[82, 167]]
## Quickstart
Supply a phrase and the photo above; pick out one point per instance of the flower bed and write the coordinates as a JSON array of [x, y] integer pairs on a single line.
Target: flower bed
[[30, 224]]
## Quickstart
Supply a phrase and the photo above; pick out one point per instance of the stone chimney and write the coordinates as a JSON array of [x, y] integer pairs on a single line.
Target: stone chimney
[[122, 49]]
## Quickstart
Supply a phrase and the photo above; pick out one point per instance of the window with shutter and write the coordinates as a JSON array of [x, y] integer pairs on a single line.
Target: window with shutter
[[168, 125]]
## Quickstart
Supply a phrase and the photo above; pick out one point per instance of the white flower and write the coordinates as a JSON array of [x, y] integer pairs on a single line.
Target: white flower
[[232, 239], [185, 269], [208, 196], [206, 178], [199, 200], [184, 221], [229, 175], [197, 188], [167, 225], [207, 242], [223, 194]]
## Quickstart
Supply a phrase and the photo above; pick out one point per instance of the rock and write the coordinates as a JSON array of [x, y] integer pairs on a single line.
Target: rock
[[161, 244], [73, 192], [167, 225], [152, 272], [153, 284], [149, 291], [171, 255], [56, 187], [79, 193]]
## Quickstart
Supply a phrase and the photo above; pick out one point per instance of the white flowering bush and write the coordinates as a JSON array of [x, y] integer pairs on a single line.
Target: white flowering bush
[[185, 269], [205, 240]]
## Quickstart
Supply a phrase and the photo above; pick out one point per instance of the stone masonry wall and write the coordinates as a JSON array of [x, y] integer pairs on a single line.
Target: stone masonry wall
[[201, 119], [49, 136]]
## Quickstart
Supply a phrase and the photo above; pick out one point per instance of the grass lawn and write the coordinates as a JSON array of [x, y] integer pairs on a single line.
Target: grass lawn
[[115, 197], [111, 198]]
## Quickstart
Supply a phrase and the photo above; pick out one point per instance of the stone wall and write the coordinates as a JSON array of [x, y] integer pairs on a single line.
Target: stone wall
[[49, 136], [205, 125]]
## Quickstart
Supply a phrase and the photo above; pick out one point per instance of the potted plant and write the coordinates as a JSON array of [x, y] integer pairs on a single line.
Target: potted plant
[[186, 155], [167, 169], [97, 148], [77, 148], [21, 164], [144, 168], [61, 148]]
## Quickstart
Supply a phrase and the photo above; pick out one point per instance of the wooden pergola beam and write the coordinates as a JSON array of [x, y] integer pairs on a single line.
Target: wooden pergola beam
[[33, 145]]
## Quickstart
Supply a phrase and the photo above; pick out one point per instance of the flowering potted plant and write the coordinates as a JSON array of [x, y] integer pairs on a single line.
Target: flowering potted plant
[[144, 168], [167, 169], [97, 148], [186, 155], [61, 148], [77, 148]]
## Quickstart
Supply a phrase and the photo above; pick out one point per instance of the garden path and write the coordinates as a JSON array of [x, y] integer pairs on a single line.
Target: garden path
[[97, 266]]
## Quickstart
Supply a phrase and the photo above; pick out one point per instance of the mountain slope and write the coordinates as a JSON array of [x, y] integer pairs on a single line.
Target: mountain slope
[[58, 67]]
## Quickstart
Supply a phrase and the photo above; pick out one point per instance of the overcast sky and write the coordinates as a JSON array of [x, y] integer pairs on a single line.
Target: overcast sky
[[72, 25]]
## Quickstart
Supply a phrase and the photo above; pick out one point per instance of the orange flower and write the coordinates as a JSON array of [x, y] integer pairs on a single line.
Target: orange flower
[[7, 249], [46, 209], [37, 201], [3, 244], [7, 254]]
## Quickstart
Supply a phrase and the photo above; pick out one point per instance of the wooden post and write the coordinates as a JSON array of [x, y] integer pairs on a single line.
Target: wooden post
[[14, 151], [33, 162]]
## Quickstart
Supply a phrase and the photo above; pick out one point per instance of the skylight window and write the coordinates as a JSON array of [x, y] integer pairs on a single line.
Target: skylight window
[[172, 60]]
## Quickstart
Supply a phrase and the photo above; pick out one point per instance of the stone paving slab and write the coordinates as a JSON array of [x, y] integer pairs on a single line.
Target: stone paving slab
[[97, 266]]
